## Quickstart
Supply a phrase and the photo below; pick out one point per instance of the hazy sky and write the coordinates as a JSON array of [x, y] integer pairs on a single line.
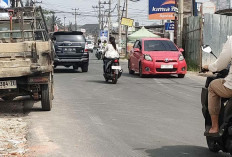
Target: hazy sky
[[137, 10]]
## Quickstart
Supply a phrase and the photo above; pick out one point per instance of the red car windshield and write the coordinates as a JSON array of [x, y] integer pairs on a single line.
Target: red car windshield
[[159, 45]]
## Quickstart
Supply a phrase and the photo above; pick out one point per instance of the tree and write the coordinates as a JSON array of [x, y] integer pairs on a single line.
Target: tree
[[29, 3]]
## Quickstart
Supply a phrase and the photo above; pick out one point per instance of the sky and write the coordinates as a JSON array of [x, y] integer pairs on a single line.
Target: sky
[[88, 15]]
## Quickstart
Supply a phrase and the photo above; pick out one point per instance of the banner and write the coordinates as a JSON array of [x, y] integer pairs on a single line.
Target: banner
[[127, 22], [161, 9]]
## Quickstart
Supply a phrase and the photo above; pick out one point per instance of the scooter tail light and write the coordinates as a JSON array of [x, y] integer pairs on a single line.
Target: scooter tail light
[[115, 61]]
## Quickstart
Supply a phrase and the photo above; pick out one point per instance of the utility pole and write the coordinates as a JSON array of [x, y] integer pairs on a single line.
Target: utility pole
[[109, 20], [99, 7], [126, 26], [64, 23], [119, 26], [180, 22], [75, 14], [53, 22]]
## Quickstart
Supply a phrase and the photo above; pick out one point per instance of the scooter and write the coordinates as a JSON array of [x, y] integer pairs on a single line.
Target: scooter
[[99, 53], [224, 140], [113, 70]]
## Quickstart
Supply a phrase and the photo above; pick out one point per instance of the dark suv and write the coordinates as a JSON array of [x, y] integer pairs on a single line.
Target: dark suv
[[71, 50]]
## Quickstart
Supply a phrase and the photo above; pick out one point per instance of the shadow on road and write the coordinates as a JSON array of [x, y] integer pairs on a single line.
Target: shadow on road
[[20, 107], [150, 76], [99, 81], [66, 71], [182, 151]]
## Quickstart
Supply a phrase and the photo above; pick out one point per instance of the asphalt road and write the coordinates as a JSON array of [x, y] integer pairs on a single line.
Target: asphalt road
[[138, 117]]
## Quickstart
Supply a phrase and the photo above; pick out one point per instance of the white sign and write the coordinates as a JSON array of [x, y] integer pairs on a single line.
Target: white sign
[[202, 1], [83, 30], [208, 7]]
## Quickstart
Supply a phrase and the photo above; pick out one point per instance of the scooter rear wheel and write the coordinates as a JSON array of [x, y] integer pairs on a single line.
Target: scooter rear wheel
[[212, 145]]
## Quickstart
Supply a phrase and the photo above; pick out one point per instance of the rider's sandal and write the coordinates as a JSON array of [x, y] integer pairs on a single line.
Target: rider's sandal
[[212, 134]]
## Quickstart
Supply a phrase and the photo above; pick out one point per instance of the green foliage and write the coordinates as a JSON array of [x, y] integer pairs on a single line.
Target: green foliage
[[192, 65]]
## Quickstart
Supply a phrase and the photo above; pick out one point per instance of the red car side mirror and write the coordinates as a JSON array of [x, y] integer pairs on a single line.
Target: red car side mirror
[[181, 49], [136, 50]]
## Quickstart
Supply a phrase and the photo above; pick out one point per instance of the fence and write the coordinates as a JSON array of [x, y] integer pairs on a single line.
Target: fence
[[212, 30], [192, 41]]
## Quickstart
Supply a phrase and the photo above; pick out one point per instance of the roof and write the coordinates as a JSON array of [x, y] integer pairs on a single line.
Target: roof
[[142, 33], [155, 39]]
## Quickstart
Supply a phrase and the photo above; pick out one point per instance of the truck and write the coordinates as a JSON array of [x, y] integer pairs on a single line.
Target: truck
[[26, 56]]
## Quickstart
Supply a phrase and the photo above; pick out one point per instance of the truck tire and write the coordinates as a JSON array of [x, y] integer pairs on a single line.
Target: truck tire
[[75, 68], [85, 67], [46, 97]]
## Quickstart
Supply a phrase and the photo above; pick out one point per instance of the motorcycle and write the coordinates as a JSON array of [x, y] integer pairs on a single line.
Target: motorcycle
[[224, 140], [113, 70], [99, 53]]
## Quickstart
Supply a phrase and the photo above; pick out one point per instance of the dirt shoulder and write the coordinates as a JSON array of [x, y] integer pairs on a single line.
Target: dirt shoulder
[[13, 130]]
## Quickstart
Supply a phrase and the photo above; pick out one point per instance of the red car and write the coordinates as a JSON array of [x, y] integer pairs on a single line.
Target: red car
[[156, 56]]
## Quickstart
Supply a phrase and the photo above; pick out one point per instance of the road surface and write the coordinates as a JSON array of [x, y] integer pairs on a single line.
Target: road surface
[[138, 117]]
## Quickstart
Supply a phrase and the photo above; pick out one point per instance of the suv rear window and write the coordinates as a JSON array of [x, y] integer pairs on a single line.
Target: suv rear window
[[159, 45], [71, 38]]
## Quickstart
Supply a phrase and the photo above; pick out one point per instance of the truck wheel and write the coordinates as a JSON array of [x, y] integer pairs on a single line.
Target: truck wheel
[[46, 97], [85, 67], [75, 68]]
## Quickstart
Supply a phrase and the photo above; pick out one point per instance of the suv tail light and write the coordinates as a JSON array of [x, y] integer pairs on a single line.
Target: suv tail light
[[86, 46]]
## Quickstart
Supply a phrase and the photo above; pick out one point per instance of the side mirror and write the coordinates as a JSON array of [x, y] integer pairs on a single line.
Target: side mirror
[[136, 50], [181, 49], [206, 48]]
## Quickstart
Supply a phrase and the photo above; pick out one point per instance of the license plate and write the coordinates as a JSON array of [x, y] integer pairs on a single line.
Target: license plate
[[116, 67], [167, 66], [11, 84]]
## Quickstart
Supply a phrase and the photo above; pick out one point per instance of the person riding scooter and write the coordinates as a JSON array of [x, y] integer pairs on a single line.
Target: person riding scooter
[[219, 88], [110, 52]]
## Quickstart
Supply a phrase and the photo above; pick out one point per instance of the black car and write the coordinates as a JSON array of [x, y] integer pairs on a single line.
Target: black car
[[71, 50]]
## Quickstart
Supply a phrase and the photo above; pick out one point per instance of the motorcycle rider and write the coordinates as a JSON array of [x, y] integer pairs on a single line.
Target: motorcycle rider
[[104, 43], [219, 88], [99, 44], [110, 52]]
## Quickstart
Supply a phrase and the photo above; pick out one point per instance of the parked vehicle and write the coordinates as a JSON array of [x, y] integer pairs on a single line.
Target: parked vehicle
[[26, 56], [113, 70], [71, 50], [224, 141], [90, 45], [156, 56]]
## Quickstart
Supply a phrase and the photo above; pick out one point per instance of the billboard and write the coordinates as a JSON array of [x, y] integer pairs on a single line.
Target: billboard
[[4, 3], [161, 9], [169, 26], [127, 22]]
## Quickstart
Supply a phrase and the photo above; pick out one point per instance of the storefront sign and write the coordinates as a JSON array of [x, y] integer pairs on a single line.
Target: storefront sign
[[162, 9]]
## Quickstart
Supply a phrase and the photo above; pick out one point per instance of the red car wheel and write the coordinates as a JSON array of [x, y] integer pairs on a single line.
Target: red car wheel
[[141, 70]]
